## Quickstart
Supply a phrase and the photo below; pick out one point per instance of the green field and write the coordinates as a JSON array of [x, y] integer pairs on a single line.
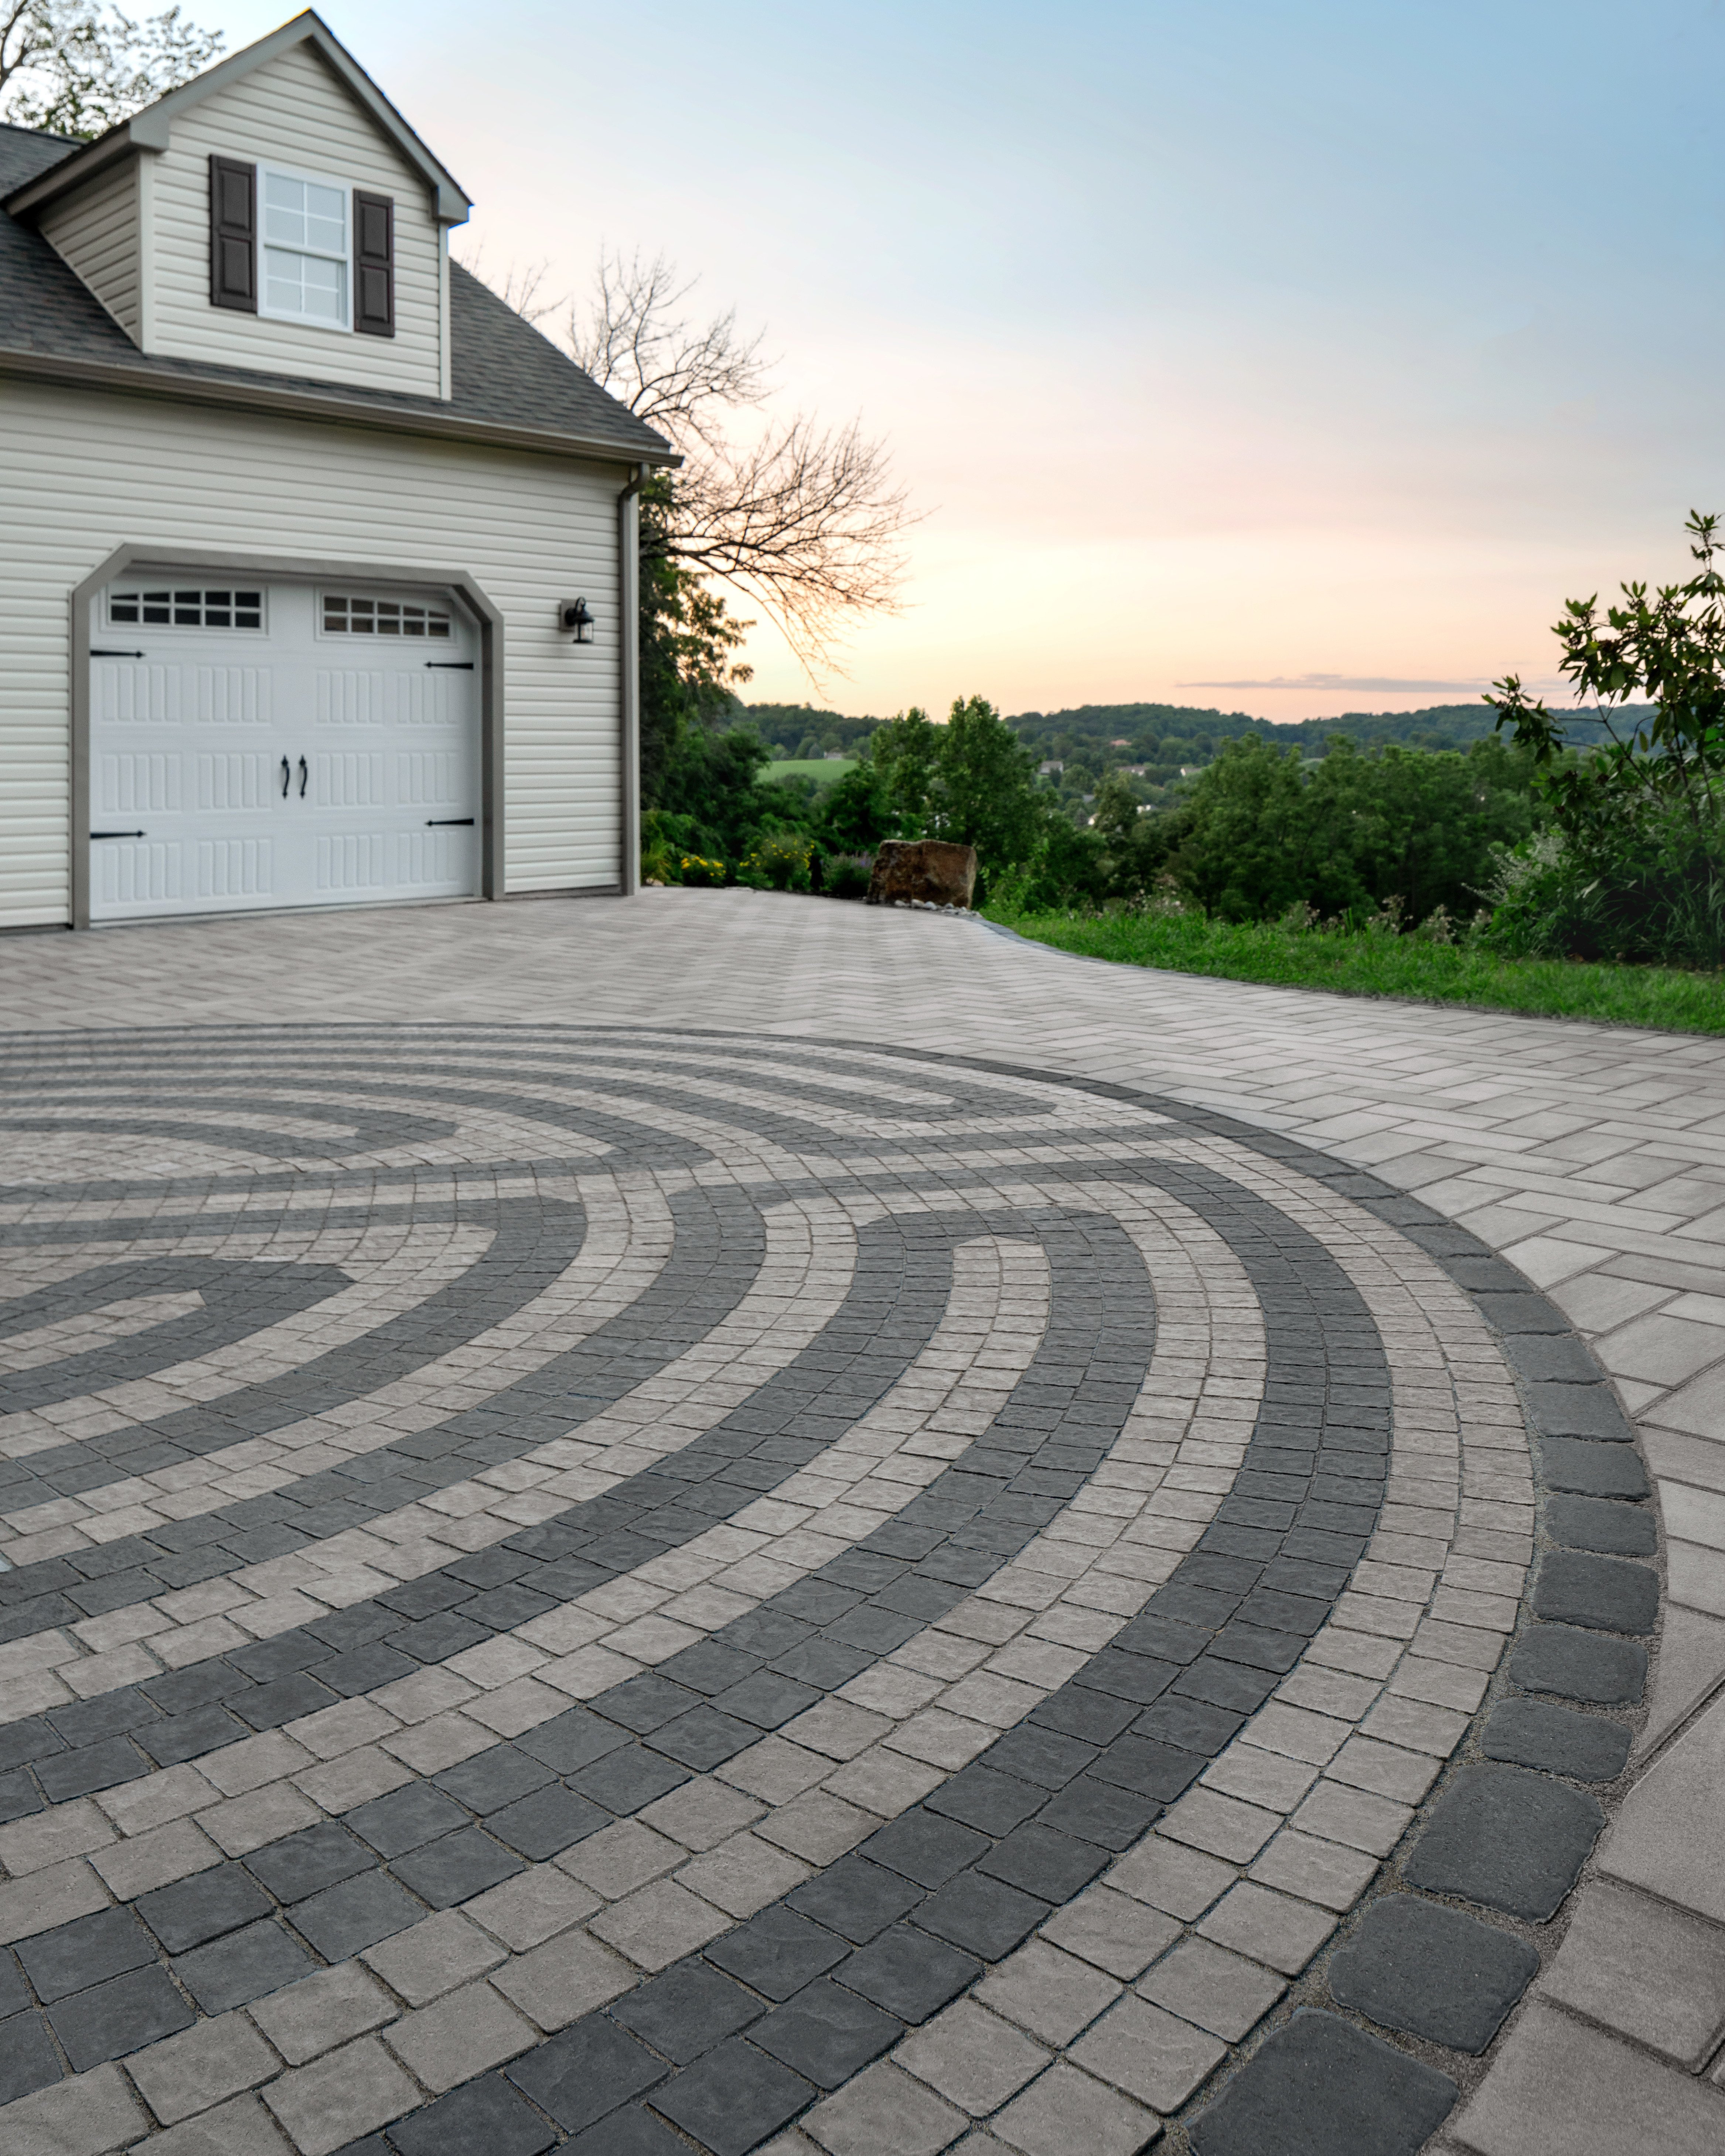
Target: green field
[[821, 769], [1399, 966]]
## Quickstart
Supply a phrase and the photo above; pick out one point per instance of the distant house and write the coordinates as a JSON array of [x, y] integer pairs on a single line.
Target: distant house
[[1054, 764], [316, 562]]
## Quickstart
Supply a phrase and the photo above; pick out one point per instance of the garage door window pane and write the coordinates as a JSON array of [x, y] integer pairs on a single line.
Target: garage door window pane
[[186, 608], [346, 614]]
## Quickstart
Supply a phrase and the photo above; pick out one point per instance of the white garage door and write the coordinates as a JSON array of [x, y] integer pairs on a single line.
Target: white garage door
[[258, 745]]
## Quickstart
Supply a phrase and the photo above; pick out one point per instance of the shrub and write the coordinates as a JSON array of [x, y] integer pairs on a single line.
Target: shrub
[[846, 875], [778, 861], [697, 869]]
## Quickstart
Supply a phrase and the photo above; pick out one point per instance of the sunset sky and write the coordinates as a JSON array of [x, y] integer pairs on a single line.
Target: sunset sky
[[1292, 358]]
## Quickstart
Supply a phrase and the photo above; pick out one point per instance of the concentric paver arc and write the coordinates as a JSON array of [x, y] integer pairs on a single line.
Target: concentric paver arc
[[936, 1624]]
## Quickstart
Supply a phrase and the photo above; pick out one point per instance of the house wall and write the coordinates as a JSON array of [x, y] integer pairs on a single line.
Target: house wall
[[294, 111], [84, 472], [95, 233]]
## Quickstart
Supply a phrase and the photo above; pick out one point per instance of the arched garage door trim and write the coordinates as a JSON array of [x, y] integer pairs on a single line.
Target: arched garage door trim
[[299, 569]]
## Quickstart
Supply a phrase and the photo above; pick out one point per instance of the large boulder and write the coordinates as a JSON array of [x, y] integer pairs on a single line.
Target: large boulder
[[927, 869]]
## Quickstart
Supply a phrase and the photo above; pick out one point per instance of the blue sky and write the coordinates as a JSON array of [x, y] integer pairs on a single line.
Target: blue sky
[[1328, 345]]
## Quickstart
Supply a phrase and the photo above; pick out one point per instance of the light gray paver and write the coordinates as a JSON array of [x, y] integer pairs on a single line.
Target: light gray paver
[[1051, 1994], [885, 2108], [241, 2126], [459, 2037], [972, 2057], [86, 2116], [1115, 1931], [432, 1957], [1559, 2088], [1647, 1970], [201, 2067], [313, 2016], [1153, 2055], [1217, 1990], [1067, 2110], [340, 2097]]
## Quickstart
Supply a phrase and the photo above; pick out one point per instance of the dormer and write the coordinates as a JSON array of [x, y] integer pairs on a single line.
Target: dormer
[[276, 214]]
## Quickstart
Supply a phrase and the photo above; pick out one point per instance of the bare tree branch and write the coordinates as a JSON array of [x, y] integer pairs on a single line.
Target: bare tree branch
[[803, 521], [519, 287], [678, 376], [806, 522]]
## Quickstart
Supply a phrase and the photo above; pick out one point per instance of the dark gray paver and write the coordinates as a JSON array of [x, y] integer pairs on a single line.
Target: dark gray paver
[[248, 1964], [589, 2070], [1606, 1592], [778, 1951], [826, 2033], [1579, 1664], [89, 1950], [1505, 1838], [485, 2118], [1322, 2087], [122, 2015], [1591, 1470], [908, 1973], [1431, 1971], [1595, 1523], [29, 2060], [203, 1907], [734, 2098], [1533, 1732], [687, 2010]]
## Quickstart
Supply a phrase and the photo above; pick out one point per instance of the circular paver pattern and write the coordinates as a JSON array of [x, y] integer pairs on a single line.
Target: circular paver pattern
[[627, 1589]]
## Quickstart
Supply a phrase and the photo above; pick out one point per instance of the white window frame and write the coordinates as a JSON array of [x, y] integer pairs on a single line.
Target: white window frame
[[345, 189]]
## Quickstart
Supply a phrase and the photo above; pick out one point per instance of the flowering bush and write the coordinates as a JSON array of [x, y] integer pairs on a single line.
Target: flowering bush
[[697, 869], [779, 861]]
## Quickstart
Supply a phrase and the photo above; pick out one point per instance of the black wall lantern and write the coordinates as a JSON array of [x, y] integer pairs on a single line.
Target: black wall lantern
[[574, 616]]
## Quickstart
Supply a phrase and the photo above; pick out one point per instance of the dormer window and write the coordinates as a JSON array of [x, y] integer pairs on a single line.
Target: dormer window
[[306, 264], [300, 247]]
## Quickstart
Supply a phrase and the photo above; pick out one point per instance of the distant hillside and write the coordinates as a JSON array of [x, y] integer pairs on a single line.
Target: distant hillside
[[1164, 738], [1153, 733]]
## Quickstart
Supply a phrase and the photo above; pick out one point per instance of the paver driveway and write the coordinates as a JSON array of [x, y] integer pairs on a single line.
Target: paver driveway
[[734, 1521]]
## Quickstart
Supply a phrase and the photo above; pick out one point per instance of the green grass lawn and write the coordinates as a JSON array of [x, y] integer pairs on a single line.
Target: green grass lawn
[[818, 767], [1361, 965]]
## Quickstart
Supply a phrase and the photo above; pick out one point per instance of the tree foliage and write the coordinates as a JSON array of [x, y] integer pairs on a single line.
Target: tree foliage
[[72, 68], [1637, 868]]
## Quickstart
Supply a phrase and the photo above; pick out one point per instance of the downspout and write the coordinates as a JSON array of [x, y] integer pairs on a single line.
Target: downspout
[[629, 586]]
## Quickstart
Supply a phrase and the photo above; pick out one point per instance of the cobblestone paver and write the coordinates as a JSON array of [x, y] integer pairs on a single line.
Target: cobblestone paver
[[627, 1583]]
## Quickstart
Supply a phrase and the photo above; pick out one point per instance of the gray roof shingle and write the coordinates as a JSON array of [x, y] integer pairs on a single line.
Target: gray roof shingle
[[504, 374]]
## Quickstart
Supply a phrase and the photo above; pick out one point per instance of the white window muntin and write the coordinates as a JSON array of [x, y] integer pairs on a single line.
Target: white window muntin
[[363, 613], [162, 605], [305, 238]]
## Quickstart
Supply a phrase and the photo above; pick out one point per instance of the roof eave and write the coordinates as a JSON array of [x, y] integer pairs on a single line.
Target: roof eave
[[334, 409], [150, 128]]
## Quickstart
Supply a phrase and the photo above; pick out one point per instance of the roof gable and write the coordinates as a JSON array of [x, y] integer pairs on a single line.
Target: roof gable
[[510, 384], [149, 130]]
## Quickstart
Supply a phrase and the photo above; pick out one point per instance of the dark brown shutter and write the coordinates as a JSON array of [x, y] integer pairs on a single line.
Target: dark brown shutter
[[373, 265], [232, 236]]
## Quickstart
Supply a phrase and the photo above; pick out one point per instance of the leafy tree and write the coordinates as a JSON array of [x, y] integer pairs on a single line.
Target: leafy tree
[[984, 791], [1261, 830], [906, 752], [856, 814], [1639, 871], [72, 68]]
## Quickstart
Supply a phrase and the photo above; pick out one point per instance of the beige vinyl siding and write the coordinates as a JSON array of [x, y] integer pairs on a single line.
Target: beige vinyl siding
[[84, 472], [294, 111], [95, 233]]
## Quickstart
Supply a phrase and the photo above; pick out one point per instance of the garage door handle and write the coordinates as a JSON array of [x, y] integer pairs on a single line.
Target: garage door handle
[[116, 834], [444, 665], [303, 776], [432, 823], [287, 778]]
